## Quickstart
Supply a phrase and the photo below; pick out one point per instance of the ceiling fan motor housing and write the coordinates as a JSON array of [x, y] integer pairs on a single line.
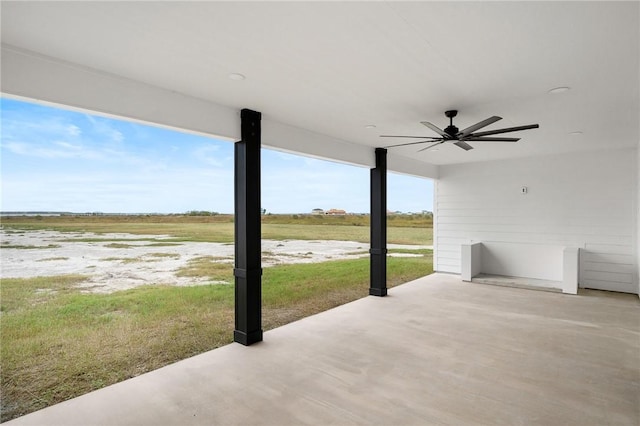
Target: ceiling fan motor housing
[[451, 129]]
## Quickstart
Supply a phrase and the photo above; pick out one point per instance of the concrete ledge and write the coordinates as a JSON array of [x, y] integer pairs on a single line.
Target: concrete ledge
[[518, 282], [544, 265], [570, 270], [471, 260]]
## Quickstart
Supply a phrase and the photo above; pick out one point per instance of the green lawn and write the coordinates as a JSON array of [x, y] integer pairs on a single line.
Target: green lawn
[[58, 342]]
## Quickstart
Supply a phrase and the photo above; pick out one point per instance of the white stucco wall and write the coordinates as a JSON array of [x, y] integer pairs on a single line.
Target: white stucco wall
[[585, 200]]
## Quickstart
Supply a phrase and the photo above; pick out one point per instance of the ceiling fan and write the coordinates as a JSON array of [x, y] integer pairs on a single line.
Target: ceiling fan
[[461, 137]]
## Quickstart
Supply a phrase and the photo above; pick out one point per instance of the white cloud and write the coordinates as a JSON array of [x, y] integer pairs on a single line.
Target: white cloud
[[55, 150], [106, 128], [18, 124], [208, 155], [68, 145], [16, 147], [73, 130]]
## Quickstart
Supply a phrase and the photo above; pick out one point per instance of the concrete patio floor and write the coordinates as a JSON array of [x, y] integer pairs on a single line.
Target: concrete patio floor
[[435, 351]]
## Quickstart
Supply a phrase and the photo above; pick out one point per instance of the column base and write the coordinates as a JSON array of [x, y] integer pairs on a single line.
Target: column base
[[247, 338], [377, 292]]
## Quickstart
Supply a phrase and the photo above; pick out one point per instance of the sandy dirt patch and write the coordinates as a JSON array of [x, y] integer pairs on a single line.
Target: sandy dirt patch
[[123, 261]]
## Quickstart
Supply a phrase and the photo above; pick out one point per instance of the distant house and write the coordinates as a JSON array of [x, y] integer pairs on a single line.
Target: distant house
[[336, 212], [317, 211]]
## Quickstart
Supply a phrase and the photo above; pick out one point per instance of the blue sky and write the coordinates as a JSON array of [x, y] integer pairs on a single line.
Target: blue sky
[[60, 160]]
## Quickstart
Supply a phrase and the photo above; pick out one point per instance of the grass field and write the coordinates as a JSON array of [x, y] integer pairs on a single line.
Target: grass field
[[220, 228], [58, 343]]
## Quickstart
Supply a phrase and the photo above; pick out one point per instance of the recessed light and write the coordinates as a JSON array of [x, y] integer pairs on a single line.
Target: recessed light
[[236, 76], [576, 133], [370, 126], [558, 90]]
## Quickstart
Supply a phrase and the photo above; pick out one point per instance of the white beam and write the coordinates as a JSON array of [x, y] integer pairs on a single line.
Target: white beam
[[30, 75], [45, 79]]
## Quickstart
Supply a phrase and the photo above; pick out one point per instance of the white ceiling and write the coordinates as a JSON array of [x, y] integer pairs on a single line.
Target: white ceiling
[[335, 67]]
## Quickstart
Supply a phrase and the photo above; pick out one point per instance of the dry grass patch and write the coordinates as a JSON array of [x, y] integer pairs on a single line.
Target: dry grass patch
[[119, 245], [124, 260], [214, 268], [163, 255], [147, 257], [29, 247], [51, 259]]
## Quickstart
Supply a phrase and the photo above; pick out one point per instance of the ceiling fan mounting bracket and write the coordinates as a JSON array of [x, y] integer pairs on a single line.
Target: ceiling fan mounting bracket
[[451, 113]]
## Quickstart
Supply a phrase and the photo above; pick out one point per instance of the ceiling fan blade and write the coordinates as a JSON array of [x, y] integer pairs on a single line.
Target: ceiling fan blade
[[436, 129], [431, 146], [408, 143], [398, 136], [461, 134], [490, 139], [463, 145], [507, 130]]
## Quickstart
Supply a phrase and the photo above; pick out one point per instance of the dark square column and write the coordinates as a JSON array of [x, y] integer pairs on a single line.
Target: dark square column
[[378, 225], [248, 267]]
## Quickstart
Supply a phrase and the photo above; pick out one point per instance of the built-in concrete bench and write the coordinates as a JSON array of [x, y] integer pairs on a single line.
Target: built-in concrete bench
[[538, 266]]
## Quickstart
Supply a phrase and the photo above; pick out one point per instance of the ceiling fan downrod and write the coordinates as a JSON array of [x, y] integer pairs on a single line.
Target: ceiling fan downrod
[[451, 130]]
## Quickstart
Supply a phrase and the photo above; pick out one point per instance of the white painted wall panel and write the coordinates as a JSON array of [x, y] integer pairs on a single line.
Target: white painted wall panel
[[622, 259], [539, 261], [585, 200]]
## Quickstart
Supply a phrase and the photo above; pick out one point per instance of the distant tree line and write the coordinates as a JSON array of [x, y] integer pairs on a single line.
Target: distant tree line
[[201, 213]]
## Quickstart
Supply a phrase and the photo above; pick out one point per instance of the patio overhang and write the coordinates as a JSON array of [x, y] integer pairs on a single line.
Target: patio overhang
[[323, 73]]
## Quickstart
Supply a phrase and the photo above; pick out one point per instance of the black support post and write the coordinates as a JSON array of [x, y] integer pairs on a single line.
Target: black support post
[[378, 251], [248, 267]]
